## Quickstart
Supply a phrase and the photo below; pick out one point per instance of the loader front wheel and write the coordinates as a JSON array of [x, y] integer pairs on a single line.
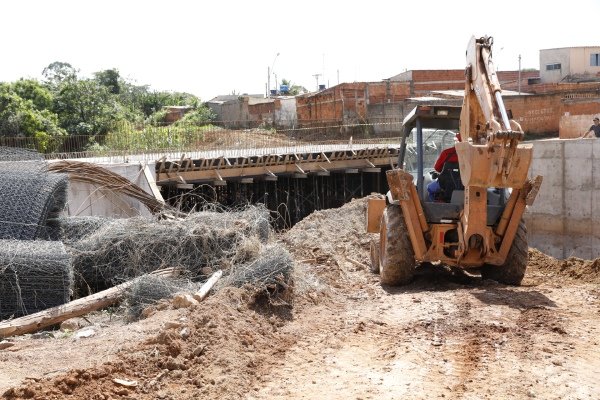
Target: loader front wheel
[[396, 255], [374, 267], [513, 270]]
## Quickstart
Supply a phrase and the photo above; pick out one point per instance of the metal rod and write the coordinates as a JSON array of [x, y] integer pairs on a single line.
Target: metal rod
[[420, 167], [502, 110]]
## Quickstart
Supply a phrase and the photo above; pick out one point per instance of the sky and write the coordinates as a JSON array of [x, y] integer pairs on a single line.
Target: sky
[[210, 48]]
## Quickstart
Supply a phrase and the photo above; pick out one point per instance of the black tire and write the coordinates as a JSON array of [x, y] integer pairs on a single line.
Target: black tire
[[513, 269], [396, 255], [374, 266]]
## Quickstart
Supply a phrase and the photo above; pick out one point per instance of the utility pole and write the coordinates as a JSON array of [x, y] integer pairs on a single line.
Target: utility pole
[[269, 72], [317, 78], [323, 71], [519, 74]]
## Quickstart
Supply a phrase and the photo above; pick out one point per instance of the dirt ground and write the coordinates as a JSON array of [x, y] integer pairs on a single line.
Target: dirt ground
[[336, 335]]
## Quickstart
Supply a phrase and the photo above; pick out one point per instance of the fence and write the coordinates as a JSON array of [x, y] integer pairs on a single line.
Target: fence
[[126, 139]]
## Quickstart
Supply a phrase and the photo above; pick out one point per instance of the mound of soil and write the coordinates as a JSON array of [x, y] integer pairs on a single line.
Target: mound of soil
[[573, 268], [334, 240], [206, 352]]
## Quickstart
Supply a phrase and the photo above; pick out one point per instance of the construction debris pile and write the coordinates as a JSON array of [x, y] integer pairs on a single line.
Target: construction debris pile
[[149, 289], [109, 251], [48, 258], [270, 270]]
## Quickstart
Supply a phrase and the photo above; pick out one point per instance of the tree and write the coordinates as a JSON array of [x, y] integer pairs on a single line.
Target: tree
[[58, 72], [85, 107], [19, 117], [294, 89], [31, 89], [109, 78], [199, 116]]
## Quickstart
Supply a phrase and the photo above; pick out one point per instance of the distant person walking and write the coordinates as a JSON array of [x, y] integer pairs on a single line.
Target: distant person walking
[[595, 129]]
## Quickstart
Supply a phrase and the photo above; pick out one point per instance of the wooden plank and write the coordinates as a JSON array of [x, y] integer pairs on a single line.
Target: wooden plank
[[288, 168], [187, 186], [55, 315], [207, 286], [152, 183]]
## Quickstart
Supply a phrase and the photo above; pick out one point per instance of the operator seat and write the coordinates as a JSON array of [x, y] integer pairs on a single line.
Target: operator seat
[[449, 180]]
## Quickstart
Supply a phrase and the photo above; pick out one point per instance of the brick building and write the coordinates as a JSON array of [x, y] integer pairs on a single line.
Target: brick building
[[541, 109], [360, 102], [248, 111], [347, 102]]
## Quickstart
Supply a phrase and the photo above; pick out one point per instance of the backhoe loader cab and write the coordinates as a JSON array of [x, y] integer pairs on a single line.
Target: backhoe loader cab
[[477, 224]]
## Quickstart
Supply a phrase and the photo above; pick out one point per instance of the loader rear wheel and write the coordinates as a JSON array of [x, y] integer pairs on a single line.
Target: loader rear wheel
[[513, 270], [396, 255]]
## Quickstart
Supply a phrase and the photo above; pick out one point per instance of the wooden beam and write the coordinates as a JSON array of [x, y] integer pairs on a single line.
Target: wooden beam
[[151, 182], [290, 167], [207, 286], [185, 186], [55, 315]]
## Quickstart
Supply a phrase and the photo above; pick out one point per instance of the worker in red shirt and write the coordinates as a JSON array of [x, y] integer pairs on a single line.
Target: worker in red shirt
[[447, 155]]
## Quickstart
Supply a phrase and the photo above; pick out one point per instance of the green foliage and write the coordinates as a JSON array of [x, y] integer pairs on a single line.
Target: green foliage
[[109, 78], [198, 117], [58, 72], [157, 118], [151, 137], [19, 117], [84, 107], [65, 104], [30, 89], [294, 89], [151, 102]]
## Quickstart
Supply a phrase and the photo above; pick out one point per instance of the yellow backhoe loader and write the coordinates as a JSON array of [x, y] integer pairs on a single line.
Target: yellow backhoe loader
[[477, 224]]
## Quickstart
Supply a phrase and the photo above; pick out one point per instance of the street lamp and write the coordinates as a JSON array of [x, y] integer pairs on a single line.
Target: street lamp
[[269, 72]]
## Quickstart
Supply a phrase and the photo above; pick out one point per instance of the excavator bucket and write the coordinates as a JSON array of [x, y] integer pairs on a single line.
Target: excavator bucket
[[485, 166]]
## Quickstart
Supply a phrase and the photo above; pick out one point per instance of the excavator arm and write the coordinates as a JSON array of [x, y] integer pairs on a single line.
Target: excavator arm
[[490, 155]]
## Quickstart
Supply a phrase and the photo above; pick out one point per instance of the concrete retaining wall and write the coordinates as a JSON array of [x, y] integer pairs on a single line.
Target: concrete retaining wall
[[564, 221]]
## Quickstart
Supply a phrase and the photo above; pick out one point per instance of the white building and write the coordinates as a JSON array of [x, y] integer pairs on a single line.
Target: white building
[[570, 64]]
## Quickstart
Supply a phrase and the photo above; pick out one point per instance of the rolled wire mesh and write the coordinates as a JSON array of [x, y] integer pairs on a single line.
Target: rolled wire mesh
[[30, 204], [32, 198], [121, 249], [75, 228], [34, 275], [270, 270], [149, 289], [17, 154]]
